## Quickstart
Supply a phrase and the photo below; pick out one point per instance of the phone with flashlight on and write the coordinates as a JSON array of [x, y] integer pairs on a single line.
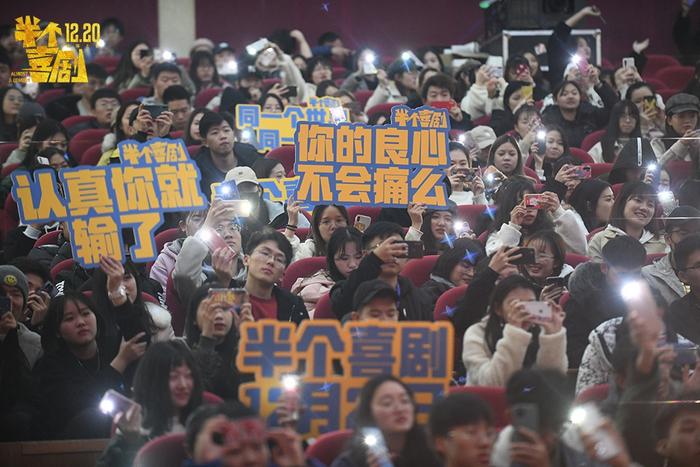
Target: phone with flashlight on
[[374, 441], [291, 392], [114, 402]]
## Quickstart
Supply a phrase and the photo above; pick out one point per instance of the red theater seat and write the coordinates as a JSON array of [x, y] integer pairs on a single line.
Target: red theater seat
[[418, 270], [285, 155], [163, 451], [328, 446], [302, 268], [494, 397], [448, 299], [323, 309]]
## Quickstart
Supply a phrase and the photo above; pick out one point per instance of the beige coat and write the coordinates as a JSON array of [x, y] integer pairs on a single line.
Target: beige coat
[[494, 369], [652, 243]]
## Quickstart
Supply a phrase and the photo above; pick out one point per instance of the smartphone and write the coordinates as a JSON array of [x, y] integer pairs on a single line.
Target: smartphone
[[589, 420], [234, 297], [5, 305], [528, 256], [524, 416], [155, 109], [649, 104], [114, 402], [415, 249], [540, 49], [49, 289], [556, 281], [369, 68], [447, 105], [686, 355], [257, 46], [534, 200], [495, 63], [211, 239], [541, 142], [628, 62], [291, 91], [242, 207], [582, 172], [582, 65], [227, 191], [526, 92], [145, 53], [466, 173], [362, 222], [373, 438], [540, 312]]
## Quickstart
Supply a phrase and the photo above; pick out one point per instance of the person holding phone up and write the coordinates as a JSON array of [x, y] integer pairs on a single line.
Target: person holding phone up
[[513, 336]]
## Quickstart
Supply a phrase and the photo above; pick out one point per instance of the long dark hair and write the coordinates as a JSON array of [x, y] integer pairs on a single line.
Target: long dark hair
[[340, 238], [192, 331], [584, 199], [48, 153], [198, 57], [189, 140], [316, 214], [117, 127], [495, 323], [416, 450], [9, 131], [560, 87], [500, 141], [125, 68], [51, 341], [510, 195], [641, 189], [556, 244], [44, 131], [432, 245], [612, 133], [450, 258], [152, 385]]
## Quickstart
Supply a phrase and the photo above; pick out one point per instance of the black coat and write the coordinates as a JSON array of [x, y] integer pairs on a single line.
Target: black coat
[[414, 305]]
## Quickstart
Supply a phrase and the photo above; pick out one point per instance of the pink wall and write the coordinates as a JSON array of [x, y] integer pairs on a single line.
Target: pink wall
[[140, 17]]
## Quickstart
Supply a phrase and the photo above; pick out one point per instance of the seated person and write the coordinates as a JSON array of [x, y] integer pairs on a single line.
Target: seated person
[[484, 95], [190, 222], [162, 76], [433, 227], [594, 290], [454, 267], [467, 185], [681, 139], [632, 215], [104, 102], [462, 430], [385, 255], [207, 445], [553, 443], [267, 255], [441, 88], [220, 151], [79, 102], [386, 403], [343, 256], [375, 300], [325, 219], [686, 263], [20, 348], [508, 339], [681, 222], [550, 254], [178, 100], [167, 388]]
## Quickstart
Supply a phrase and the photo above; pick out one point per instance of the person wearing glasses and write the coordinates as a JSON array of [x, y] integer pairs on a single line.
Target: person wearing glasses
[[683, 314], [104, 103]]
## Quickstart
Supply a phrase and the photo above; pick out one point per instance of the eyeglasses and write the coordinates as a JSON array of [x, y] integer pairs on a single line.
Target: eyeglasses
[[232, 227], [267, 255]]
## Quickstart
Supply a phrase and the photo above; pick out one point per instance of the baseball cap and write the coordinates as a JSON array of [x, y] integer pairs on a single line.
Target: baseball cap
[[682, 102], [242, 175], [484, 136], [369, 290], [682, 216], [223, 47]]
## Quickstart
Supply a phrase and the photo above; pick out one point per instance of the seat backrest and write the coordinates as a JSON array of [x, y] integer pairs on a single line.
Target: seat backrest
[[48, 238], [446, 302], [591, 139], [494, 396], [384, 108], [75, 119], [163, 451], [178, 312], [6, 149], [49, 95], [205, 96], [599, 169], [652, 257], [62, 266], [418, 270], [656, 62], [592, 233], [283, 154], [580, 154], [597, 393], [323, 309], [532, 174], [471, 213], [7, 170], [166, 236], [328, 446], [675, 77], [134, 93], [482, 121], [83, 140], [302, 268], [363, 96], [193, 149], [211, 398], [573, 260], [679, 171], [92, 155]]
